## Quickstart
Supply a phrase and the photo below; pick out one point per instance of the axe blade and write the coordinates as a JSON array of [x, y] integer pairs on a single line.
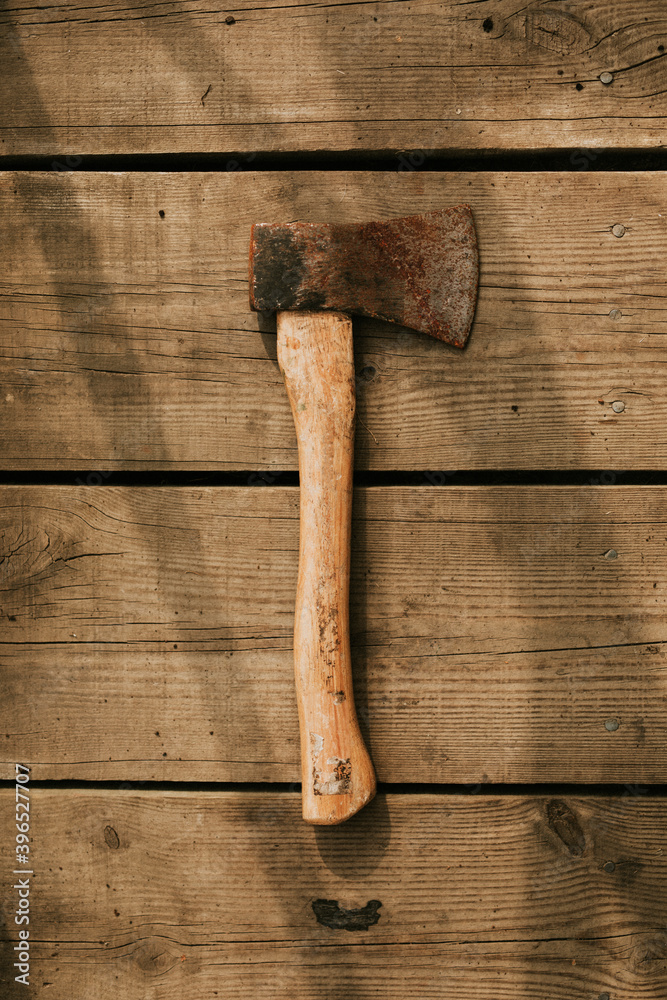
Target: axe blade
[[420, 271]]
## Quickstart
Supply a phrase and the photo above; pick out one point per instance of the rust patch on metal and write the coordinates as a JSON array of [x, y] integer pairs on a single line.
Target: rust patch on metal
[[420, 271]]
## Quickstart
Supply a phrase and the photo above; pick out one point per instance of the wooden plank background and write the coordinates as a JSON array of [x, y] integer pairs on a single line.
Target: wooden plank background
[[500, 634], [453, 76], [176, 895], [496, 632], [128, 342]]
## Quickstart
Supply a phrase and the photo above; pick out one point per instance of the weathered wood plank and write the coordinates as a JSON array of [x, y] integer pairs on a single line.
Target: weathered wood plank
[[128, 78], [128, 342], [496, 632], [186, 895]]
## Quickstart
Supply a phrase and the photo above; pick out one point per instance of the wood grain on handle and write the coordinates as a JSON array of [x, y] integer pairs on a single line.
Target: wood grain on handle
[[315, 355]]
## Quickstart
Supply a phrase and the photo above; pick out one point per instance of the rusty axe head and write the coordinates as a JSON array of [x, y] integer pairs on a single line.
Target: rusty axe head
[[420, 271]]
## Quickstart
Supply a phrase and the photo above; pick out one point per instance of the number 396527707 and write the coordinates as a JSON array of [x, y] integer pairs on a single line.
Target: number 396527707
[[22, 814]]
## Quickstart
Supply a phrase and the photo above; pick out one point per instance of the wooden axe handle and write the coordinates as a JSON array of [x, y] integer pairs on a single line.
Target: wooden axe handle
[[315, 355]]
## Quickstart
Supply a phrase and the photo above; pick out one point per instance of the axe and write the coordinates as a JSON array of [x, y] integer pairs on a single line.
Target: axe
[[421, 272]]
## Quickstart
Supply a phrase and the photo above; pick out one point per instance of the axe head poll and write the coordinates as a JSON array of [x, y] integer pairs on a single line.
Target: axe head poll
[[420, 271]]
